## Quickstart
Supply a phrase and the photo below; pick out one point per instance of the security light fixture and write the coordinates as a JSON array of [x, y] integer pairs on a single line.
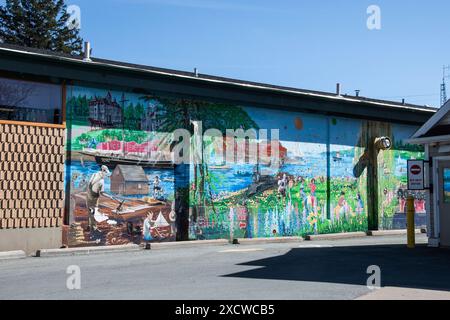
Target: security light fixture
[[383, 143]]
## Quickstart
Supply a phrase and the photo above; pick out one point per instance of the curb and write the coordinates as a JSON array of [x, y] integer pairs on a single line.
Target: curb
[[187, 244], [45, 253], [378, 233], [336, 236], [270, 240], [11, 255]]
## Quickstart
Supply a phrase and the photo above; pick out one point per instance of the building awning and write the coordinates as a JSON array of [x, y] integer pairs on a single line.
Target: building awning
[[435, 130]]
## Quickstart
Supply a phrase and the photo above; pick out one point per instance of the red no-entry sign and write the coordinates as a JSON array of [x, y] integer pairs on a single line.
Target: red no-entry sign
[[416, 177], [415, 170]]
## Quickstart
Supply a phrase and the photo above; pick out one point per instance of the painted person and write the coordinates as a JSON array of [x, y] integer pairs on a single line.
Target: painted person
[[148, 227], [401, 195], [173, 219], [290, 186], [359, 204], [313, 188], [343, 206], [94, 189], [304, 198], [282, 184], [156, 187], [419, 203]]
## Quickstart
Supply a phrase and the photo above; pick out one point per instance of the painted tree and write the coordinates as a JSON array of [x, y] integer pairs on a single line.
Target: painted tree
[[175, 113], [41, 24]]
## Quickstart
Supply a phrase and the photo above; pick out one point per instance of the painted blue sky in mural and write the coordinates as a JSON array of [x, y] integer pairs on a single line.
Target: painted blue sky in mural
[[303, 127], [285, 122]]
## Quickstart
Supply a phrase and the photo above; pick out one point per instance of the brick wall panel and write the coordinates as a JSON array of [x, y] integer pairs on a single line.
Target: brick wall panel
[[31, 176]]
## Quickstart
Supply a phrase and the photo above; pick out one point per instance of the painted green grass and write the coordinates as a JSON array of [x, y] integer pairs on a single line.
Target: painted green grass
[[80, 142], [316, 223]]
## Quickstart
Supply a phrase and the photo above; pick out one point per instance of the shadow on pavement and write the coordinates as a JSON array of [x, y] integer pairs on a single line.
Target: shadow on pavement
[[423, 267]]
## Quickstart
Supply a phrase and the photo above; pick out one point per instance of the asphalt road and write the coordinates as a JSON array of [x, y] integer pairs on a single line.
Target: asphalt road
[[309, 270]]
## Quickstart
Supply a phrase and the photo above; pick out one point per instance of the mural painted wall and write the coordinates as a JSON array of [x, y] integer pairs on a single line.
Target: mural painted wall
[[392, 180], [295, 199], [120, 171], [325, 183]]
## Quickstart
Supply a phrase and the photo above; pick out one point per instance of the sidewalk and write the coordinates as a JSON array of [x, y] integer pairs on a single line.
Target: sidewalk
[[394, 293]]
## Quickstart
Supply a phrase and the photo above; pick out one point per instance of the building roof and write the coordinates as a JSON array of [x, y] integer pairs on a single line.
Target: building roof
[[132, 173], [437, 129], [199, 81]]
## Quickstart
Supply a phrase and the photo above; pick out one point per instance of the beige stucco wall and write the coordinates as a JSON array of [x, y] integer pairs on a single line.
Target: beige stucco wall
[[30, 240]]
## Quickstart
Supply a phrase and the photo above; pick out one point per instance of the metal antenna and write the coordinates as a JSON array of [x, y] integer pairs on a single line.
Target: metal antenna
[[445, 75]]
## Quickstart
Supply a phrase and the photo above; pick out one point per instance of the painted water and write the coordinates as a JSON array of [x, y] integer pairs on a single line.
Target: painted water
[[238, 177]]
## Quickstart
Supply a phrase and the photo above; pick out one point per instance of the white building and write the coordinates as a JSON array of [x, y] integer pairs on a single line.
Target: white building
[[435, 136]]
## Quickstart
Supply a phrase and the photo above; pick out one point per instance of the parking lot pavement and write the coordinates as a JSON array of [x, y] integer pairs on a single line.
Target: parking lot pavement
[[308, 270]]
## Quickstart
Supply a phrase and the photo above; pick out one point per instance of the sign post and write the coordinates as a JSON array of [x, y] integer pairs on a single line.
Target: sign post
[[416, 181]]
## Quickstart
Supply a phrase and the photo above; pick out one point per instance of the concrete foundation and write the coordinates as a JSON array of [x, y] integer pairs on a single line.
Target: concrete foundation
[[30, 240]]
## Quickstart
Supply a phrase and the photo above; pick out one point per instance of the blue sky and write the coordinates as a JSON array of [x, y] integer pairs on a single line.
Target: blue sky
[[301, 43]]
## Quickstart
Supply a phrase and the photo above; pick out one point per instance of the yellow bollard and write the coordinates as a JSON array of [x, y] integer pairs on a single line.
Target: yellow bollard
[[410, 212]]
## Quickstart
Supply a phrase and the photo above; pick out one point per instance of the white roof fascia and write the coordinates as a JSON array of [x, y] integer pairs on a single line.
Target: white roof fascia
[[428, 140], [438, 116], [229, 82]]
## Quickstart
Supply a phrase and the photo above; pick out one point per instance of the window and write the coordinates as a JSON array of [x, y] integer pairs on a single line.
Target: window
[[30, 101], [447, 185]]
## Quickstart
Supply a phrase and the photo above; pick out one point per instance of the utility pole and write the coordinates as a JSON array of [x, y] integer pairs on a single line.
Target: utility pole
[[445, 76]]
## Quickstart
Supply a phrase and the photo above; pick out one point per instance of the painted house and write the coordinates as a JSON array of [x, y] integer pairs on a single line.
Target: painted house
[[344, 168], [129, 180], [105, 112]]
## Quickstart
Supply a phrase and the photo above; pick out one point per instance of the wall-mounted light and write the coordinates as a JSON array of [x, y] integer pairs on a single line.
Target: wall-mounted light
[[383, 143]]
